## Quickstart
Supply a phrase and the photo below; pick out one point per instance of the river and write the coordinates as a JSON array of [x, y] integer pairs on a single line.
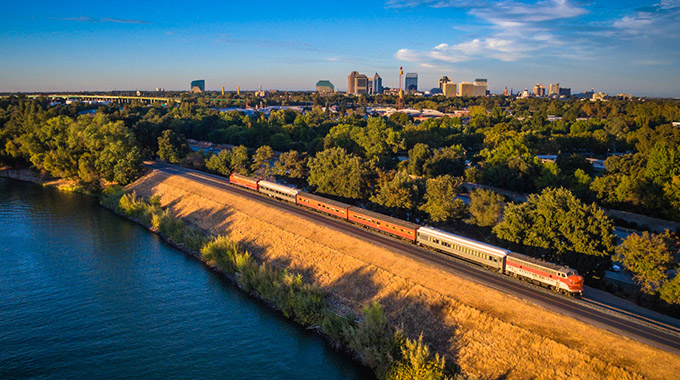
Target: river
[[87, 294]]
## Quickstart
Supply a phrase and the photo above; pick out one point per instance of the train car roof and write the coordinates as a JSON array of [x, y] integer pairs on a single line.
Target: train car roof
[[244, 177], [463, 240], [540, 262], [281, 188], [325, 200], [379, 216]]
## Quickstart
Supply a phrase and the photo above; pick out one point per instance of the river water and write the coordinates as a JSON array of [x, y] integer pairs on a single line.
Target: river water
[[86, 294]]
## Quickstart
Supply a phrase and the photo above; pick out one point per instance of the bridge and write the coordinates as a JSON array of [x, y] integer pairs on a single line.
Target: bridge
[[109, 98]]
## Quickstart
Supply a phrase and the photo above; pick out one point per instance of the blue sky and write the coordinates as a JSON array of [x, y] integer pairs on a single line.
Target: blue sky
[[612, 46]]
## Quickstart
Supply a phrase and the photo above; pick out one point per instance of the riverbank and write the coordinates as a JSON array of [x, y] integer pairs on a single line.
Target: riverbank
[[370, 339], [486, 332], [43, 179]]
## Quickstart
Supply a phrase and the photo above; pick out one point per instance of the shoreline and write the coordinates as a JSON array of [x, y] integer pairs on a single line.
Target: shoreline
[[45, 180], [28, 175]]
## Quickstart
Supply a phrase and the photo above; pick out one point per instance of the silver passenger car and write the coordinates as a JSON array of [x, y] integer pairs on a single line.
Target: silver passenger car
[[471, 250], [275, 190]]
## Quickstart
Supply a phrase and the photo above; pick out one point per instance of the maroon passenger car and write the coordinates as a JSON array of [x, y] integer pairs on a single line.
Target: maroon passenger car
[[383, 223], [322, 204]]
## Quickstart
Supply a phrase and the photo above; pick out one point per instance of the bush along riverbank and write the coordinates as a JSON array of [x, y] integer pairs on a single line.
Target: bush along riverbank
[[369, 337]]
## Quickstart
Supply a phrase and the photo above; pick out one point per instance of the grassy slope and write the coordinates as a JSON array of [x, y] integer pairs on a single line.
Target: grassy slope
[[483, 330]]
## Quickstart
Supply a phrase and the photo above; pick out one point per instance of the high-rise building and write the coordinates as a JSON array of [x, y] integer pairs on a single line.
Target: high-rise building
[[198, 85], [482, 87], [465, 89], [377, 84], [325, 87], [539, 90], [361, 84], [505, 92], [411, 83], [443, 81], [351, 80], [565, 92], [554, 89], [449, 89]]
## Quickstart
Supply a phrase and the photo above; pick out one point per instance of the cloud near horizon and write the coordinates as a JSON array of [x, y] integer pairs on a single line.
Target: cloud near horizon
[[104, 19]]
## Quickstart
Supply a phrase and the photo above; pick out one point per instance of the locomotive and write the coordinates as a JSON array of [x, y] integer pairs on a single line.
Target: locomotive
[[558, 278]]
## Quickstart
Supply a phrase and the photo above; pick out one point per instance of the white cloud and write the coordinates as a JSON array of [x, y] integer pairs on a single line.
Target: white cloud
[[517, 29], [409, 55]]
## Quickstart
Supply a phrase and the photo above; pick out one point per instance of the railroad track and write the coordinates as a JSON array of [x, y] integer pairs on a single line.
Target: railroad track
[[648, 330]]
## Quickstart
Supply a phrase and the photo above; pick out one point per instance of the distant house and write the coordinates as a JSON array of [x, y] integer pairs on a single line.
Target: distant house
[[547, 158], [598, 165]]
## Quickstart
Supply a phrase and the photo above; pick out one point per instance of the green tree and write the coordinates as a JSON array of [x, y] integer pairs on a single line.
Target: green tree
[[670, 290], [239, 160], [440, 199], [649, 257], [171, 147], [397, 191], [486, 207], [336, 172], [292, 164], [220, 163], [563, 228], [261, 161], [448, 160], [417, 157]]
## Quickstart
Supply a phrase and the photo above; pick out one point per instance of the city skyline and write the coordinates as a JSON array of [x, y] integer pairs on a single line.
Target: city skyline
[[615, 47]]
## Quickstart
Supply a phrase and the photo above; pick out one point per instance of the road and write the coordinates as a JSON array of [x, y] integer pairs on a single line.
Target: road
[[654, 332]]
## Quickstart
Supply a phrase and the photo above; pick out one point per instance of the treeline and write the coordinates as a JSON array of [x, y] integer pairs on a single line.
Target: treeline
[[398, 166], [369, 337], [91, 149]]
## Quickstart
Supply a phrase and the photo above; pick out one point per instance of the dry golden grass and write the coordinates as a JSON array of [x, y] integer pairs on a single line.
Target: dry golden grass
[[488, 333]]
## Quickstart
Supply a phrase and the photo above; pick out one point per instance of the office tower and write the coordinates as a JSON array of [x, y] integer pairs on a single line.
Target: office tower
[[198, 85], [442, 81], [505, 92], [539, 90], [449, 89], [411, 83], [465, 89], [325, 87], [361, 84], [554, 89], [377, 84], [565, 92], [481, 82], [351, 80]]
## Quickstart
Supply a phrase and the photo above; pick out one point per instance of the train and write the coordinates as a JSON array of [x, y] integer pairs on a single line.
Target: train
[[558, 278]]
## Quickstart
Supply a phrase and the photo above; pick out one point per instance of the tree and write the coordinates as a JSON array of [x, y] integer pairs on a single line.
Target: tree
[[564, 230], [397, 191], [649, 257], [220, 163], [440, 199], [670, 290], [486, 207], [417, 157], [171, 147], [239, 159], [292, 164], [261, 160], [450, 160], [336, 172]]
